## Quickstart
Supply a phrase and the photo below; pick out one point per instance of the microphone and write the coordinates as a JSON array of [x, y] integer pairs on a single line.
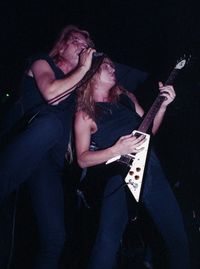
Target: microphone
[[97, 54], [97, 59]]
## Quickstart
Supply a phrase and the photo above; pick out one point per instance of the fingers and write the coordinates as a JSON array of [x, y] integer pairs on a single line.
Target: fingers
[[138, 142], [168, 88], [126, 136], [87, 52], [167, 91], [168, 95], [133, 138], [85, 57], [138, 137], [131, 143]]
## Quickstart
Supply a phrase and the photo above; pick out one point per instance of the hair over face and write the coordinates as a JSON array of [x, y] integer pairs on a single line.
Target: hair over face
[[64, 36], [85, 98]]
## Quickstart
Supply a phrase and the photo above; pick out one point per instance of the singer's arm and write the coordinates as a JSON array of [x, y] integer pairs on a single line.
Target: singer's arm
[[50, 87]]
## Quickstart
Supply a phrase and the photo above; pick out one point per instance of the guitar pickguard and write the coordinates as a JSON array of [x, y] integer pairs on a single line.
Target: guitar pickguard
[[136, 162], [135, 174]]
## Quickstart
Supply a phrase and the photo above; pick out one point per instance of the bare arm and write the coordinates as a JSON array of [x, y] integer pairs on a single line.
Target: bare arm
[[84, 127], [138, 107], [51, 87]]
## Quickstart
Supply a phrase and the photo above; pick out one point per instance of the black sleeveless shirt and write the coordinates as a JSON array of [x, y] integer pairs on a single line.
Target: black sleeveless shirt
[[30, 94], [33, 101], [113, 121], [116, 120]]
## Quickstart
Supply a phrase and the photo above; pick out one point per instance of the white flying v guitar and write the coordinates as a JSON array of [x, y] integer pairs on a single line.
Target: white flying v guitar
[[136, 161]]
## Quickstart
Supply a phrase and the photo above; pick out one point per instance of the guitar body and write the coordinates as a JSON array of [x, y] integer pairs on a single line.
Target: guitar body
[[136, 163], [135, 174]]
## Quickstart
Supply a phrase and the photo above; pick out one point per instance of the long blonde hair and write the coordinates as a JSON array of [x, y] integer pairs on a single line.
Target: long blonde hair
[[64, 36], [85, 100]]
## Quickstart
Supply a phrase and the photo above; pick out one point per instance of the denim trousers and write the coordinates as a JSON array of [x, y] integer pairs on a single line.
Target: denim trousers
[[160, 204], [36, 155]]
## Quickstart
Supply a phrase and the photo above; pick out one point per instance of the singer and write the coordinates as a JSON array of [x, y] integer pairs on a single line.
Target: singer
[[36, 153]]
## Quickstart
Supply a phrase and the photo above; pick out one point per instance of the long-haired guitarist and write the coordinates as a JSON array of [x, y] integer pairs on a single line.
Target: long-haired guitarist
[[106, 116]]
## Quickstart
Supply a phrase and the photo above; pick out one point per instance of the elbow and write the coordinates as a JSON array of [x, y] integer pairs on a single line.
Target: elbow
[[51, 98], [50, 95], [82, 163]]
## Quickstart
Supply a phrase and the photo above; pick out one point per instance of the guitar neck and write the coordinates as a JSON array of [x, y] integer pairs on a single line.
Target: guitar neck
[[172, 77], [148, 119]]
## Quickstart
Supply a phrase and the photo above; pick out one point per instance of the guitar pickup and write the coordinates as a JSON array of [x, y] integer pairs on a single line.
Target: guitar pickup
[[138, 134], [126, 159]]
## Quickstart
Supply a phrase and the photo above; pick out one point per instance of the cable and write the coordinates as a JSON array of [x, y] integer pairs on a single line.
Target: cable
[[96, 62], [13, 231]]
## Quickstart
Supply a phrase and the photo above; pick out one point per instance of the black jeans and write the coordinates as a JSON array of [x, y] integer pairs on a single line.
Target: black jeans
[[32, 156], [161, 205]]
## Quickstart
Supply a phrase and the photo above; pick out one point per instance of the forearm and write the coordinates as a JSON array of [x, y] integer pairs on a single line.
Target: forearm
[[63, 87], [125, 145], [91, 158], [158, 120]]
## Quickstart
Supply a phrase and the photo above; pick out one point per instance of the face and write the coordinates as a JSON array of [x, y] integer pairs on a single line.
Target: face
[[76, 43], [107, 73]]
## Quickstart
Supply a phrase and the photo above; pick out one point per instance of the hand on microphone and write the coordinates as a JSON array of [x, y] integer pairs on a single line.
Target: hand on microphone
[[85, 58]]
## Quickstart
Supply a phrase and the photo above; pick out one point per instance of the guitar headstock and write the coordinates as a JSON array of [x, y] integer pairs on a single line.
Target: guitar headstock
[[182, 62]]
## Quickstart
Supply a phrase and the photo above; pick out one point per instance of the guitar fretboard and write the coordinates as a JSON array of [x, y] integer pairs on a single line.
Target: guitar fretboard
[[172, 77], [148, 119]]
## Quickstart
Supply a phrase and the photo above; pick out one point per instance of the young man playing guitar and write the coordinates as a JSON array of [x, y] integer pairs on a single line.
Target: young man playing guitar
[[106, 116]]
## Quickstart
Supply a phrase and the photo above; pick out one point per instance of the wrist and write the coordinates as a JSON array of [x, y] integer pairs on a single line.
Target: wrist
[[113, 151], [163, 108], [82, 68]]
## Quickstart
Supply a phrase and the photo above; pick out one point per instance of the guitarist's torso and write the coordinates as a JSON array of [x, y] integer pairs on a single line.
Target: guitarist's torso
[[114, 120]]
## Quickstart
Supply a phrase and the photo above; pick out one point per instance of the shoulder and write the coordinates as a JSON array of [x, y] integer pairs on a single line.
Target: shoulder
[[82, 120], [40, 56], [131, 96], [42, 59], [41, 64], [127, 99], [82, 116], [40, 68], [131, 101]]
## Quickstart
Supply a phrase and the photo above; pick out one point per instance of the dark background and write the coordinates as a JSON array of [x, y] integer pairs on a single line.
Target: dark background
[[147, 35]]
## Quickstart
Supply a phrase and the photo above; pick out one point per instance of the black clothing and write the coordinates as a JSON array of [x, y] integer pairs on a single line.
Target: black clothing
[[114, 121], [36, 154]]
